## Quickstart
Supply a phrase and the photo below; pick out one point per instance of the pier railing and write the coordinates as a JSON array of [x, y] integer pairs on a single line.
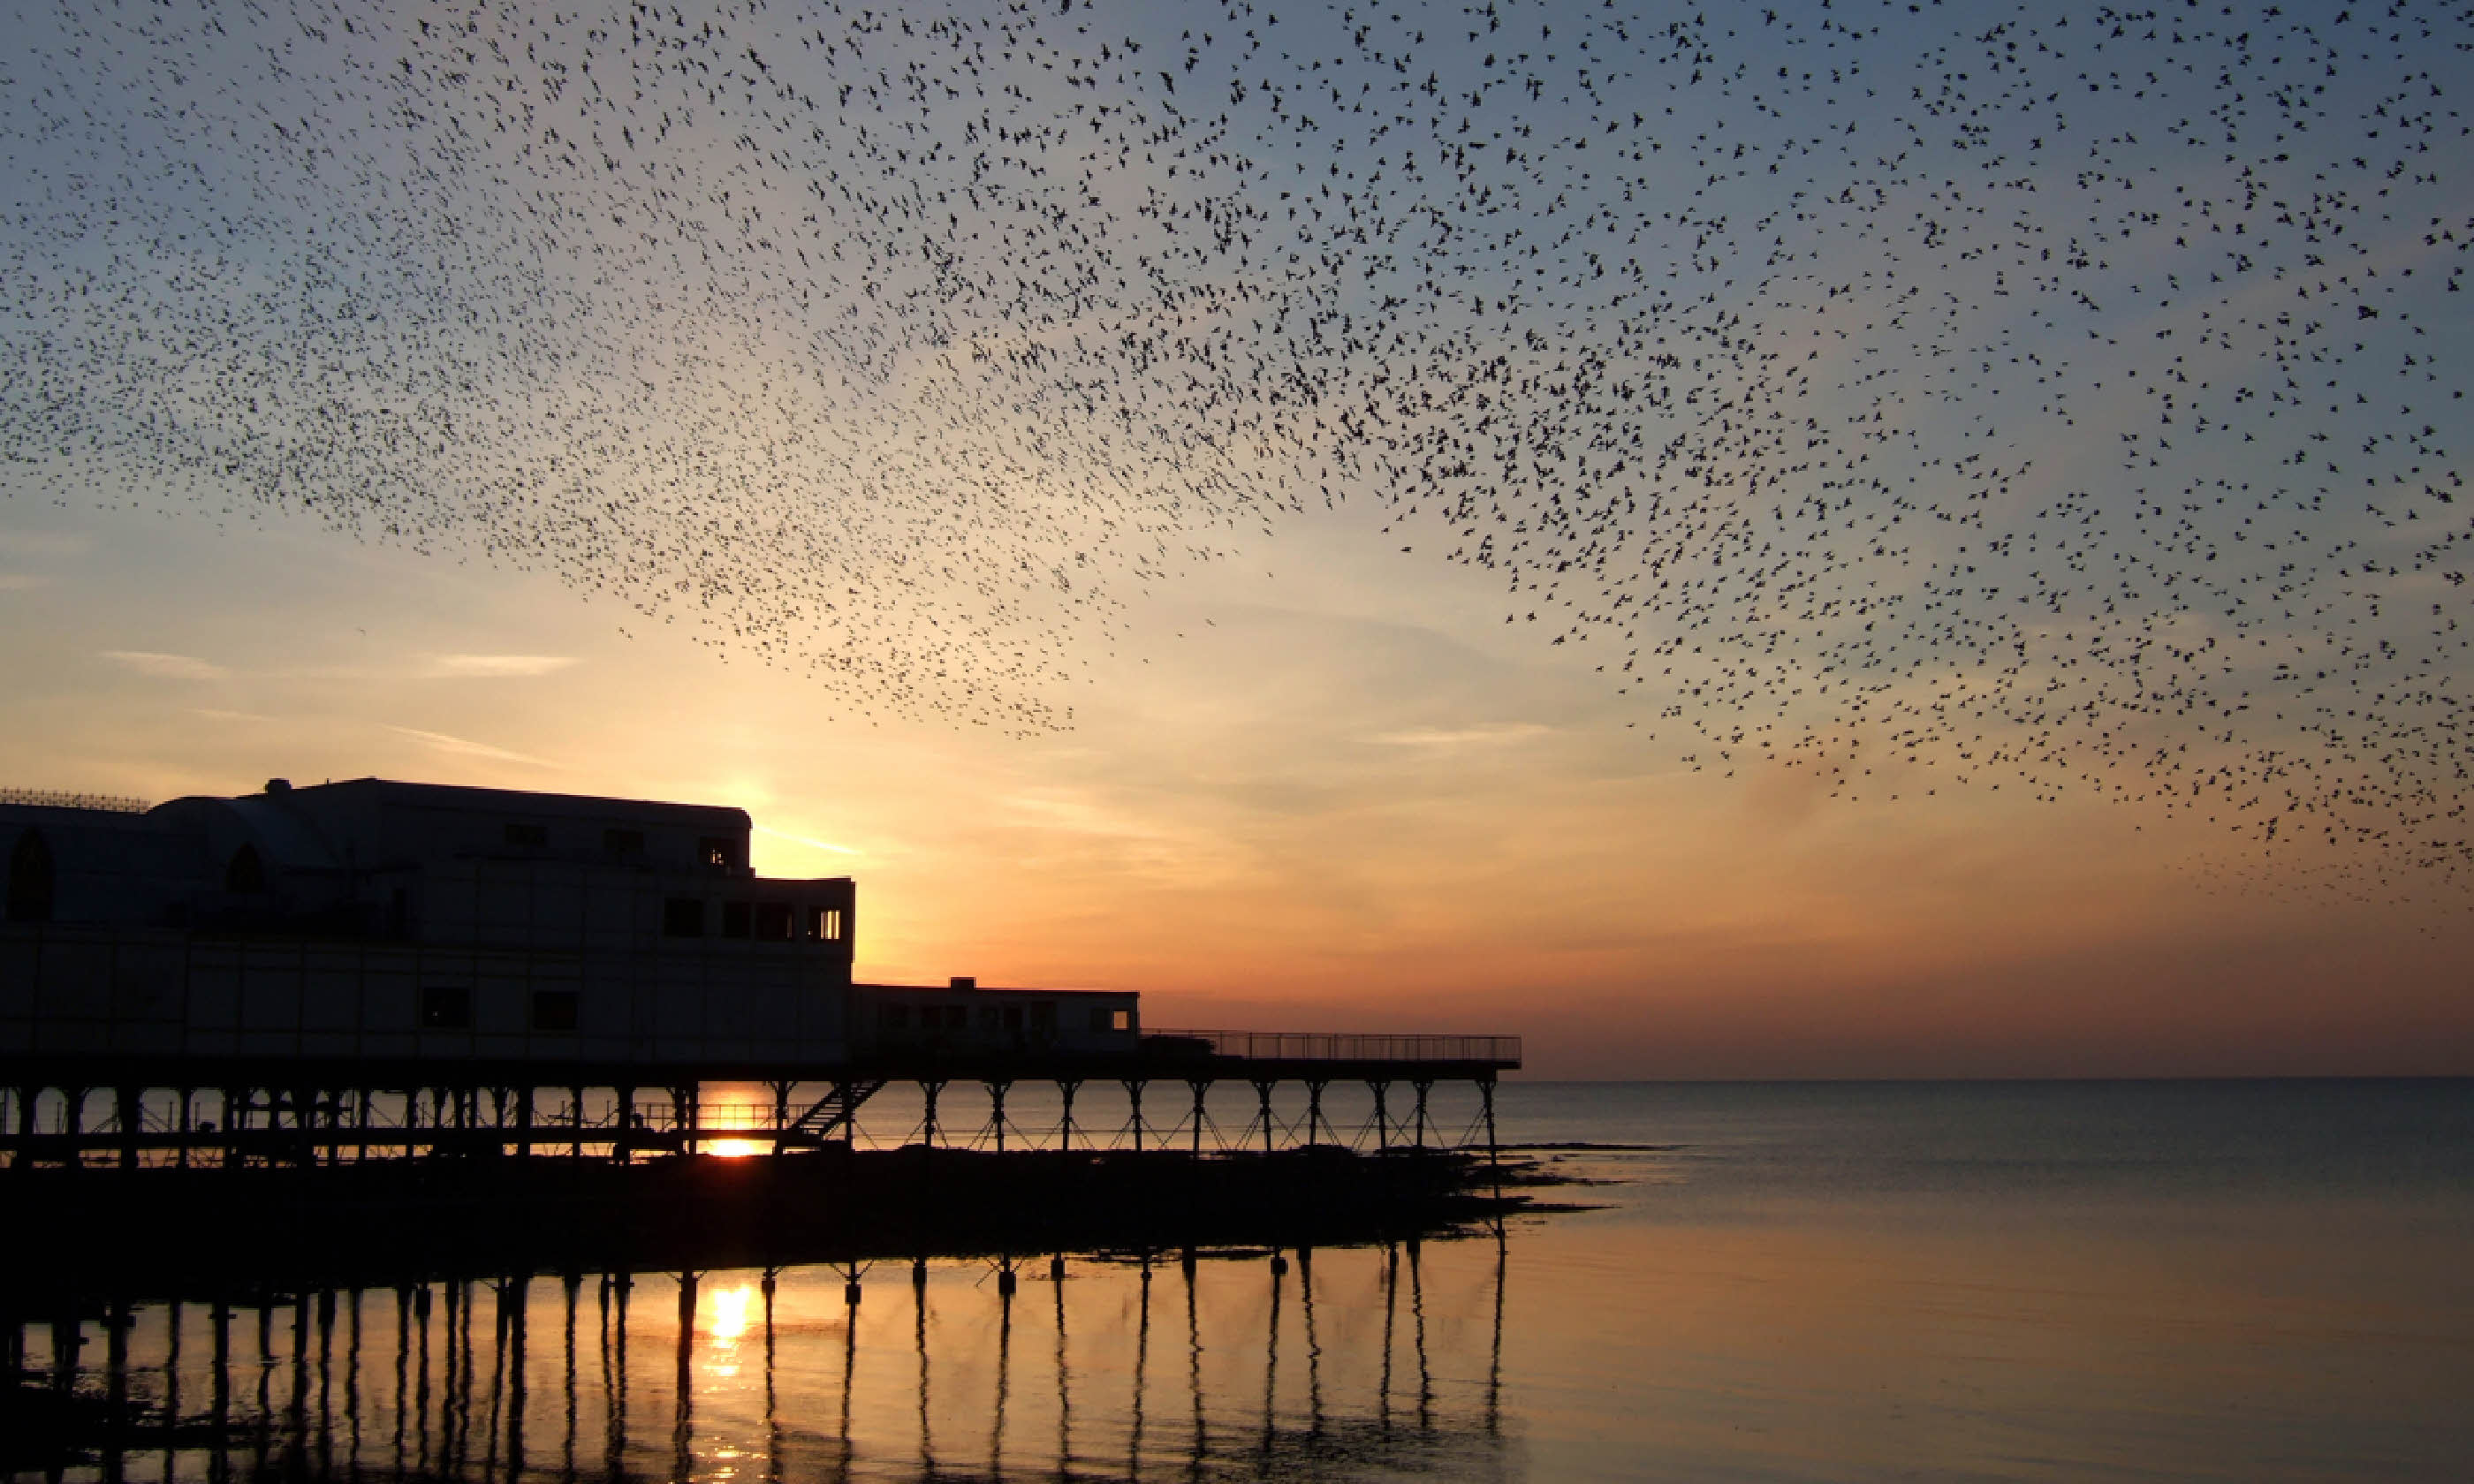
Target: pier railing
[[1320, 1046]]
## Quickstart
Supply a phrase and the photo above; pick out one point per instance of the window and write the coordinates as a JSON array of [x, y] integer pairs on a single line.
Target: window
[[772, 921], [894, 1018], [1043, 1015], [824, 924], [1099, 1020], [528, 837], [623, 842], [445, 1007], [553, 1010], [246, 875], [30, 879], [1112, 1020], [683, 917], [987, 1017], [720, 851], [1013, 1017], [734, 920]]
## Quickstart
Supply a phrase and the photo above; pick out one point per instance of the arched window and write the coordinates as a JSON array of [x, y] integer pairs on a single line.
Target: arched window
[[30, 879], [246, 876]]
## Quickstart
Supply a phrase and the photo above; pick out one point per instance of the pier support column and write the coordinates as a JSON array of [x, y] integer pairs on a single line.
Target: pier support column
[[130, 1112], [1263, 1095], [928, 1091], [235, 1111], [1424, 1085], [1382, 1119], [1313, 1110], [575, 1122], [1486, 1095], [1134, 1099], [622, 1141], [523, 1122], [73, 1124], [26, 1098], [684, 1115], [781, 1112], [997, 1090], [1201, 1088], [1065, 1089]]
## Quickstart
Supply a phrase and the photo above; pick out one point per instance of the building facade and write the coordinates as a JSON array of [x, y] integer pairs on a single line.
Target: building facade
[[402, 926]]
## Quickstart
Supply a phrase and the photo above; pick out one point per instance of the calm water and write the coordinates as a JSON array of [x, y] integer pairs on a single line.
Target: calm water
[[2268, 1281]]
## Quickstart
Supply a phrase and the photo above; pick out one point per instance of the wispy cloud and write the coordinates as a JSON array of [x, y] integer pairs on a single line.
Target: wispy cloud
[[1467, 736], [499, 666], [168, 667], [43, 543], [815, 845], [219, 715], [464, 747]]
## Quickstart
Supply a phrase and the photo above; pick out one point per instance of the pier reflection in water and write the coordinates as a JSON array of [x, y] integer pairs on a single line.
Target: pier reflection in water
[[1356, 1362]]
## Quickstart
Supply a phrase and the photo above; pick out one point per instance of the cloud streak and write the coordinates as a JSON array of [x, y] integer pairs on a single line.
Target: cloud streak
[[167, 667]]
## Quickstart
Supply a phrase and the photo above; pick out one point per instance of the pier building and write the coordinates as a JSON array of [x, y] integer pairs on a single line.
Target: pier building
[[358, 969]]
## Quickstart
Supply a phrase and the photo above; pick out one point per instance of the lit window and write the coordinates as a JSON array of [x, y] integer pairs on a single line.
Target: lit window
[[720, 851], [1121, 1019], [553, 1010], [824, 924]]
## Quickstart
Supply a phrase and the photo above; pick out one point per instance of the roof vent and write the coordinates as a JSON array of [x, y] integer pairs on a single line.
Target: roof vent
[[964, 982], [278, 785]]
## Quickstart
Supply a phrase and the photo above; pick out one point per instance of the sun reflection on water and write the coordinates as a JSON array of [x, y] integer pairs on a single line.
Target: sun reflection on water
[[730, 1311]]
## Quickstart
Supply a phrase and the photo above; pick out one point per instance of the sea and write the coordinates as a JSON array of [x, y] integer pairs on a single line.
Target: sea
[[2034, 1280]]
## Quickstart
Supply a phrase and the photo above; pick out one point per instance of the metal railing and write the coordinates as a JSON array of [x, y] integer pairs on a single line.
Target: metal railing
[[57, 798], [1320, 1046]]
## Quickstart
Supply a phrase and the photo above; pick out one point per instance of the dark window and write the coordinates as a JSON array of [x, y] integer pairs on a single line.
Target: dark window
[[528, 837], [683, 917], [1043, 1015], [718, 850], [30, 879], [1013, 1017], [772, 919], [987, 1017], [894, 1018], [734, 920], [246, 875], [1099, 1020], [623, 842], [445, 1007], [553, 1010]]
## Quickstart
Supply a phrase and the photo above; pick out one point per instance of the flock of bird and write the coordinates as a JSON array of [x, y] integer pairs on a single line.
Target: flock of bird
[[2055, 397]]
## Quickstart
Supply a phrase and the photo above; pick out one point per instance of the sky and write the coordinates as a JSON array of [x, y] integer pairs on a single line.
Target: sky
[[1859, 618]]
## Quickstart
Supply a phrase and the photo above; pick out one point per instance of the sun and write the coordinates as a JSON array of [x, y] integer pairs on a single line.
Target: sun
[[735, 1148]]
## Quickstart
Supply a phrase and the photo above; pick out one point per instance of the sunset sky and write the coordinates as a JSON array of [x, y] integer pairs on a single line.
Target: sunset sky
[[1101, 665]]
